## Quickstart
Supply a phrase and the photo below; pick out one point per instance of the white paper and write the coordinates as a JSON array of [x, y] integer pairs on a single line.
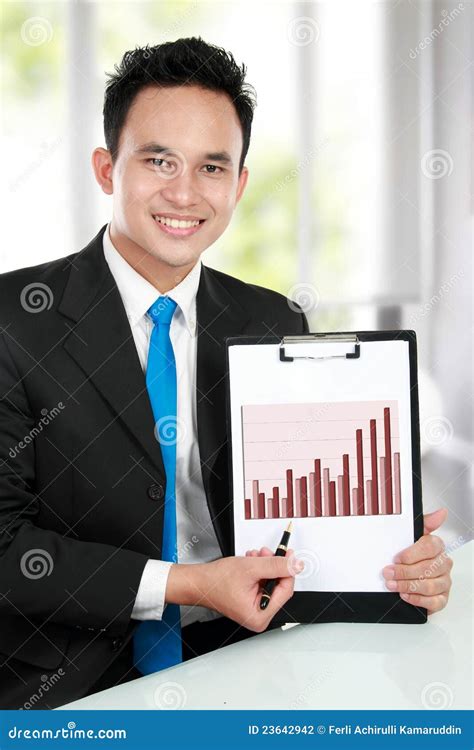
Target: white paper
[[342, 553]]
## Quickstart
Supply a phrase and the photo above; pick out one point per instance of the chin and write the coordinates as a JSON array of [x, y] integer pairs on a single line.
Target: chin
[[177, 259]]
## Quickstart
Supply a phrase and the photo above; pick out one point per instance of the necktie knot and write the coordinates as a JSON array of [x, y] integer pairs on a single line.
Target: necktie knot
[[161, 311]]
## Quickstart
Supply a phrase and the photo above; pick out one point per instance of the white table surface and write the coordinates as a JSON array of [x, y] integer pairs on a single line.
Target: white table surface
[[325, 666]]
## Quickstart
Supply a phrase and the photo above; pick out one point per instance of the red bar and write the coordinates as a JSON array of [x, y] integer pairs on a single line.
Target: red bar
[[383, 504], [373, 452], [261, 505], [340, 496], [388, 460], [396, 478], [297, 508], [312, 495], [360, 474], [346, 503], [317, 486], [289, 493], [354, 501], [368, 495], [332, 498], [284, 507], [326, 493], [276, 503], [255, 497], [269, 508], [247, 509], [304, 497]]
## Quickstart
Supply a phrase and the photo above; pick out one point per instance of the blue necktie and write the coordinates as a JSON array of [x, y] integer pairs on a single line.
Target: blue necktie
[[157, 643]]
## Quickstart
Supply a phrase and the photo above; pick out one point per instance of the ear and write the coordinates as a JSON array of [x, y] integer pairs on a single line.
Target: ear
[[102, 166], [244, 175]]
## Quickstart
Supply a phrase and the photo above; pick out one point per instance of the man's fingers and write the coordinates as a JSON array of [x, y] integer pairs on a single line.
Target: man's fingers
[[423, 586], [426, 548], [281, 593], [433, 521], [263, 552], [431, 603], [424, 569], [277, 567]]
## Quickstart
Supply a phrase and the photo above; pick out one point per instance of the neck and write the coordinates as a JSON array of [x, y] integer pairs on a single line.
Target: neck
[[158, 273]]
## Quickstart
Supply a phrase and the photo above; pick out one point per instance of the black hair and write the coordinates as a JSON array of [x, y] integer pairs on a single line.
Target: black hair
[[188, 61]]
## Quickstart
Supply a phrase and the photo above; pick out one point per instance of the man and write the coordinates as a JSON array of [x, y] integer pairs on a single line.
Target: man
[[114, 491]]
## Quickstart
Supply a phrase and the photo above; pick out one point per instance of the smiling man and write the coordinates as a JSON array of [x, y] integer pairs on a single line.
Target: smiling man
[[172, 199], [116, 545]]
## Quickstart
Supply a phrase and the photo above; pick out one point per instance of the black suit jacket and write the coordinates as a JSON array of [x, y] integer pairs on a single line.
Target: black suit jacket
[[81, 474]]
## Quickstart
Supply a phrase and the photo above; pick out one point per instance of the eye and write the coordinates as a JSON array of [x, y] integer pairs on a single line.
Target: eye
[[162, 164], [213, 167]]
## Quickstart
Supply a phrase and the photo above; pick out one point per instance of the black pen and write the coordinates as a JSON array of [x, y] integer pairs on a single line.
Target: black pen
[[280, 552]]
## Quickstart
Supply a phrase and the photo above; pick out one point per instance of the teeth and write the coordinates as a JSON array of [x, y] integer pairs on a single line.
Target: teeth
[[176, 223]]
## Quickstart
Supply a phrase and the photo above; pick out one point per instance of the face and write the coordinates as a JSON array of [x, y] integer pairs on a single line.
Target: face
[[178, 160]]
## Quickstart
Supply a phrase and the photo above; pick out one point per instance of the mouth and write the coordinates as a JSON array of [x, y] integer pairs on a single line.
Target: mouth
[[177, 227]]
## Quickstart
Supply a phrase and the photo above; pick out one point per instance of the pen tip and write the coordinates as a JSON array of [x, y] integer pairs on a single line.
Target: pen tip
[[289, 527]]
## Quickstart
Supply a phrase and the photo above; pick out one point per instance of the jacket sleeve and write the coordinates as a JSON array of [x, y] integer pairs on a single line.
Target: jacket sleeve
[[45, 576]]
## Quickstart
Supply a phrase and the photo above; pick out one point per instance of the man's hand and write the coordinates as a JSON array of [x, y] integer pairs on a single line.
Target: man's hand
[[233, 586], [421, 572]]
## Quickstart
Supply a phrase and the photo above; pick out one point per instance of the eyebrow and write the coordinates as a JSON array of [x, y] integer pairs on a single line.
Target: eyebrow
[[155, 148]]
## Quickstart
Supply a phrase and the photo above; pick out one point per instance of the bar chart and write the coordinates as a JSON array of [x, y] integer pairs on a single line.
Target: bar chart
[[321, 460]]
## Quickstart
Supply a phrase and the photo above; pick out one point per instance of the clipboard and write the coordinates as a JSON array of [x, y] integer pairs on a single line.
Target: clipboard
[[364, 493]]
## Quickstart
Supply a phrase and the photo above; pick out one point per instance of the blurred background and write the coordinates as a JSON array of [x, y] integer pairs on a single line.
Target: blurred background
[[359, 203]]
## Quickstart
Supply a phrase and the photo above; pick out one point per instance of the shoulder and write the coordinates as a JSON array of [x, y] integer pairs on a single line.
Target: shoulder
[[253, 295], [33, 287], [269, 310]]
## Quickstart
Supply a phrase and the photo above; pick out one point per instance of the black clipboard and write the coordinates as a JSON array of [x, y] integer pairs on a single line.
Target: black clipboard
[[340, 606]]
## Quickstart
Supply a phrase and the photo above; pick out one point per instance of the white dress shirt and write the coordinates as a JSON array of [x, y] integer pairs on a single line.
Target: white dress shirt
[[196, 539]]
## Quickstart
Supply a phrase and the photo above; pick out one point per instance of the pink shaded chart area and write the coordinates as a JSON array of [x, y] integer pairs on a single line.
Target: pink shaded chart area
[[321, 459]]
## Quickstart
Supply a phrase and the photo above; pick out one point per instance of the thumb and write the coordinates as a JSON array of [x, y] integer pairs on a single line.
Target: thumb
[[277, 567], [434, 520]]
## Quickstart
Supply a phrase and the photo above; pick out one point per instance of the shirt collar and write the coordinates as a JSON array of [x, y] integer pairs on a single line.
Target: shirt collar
[[138, 294]]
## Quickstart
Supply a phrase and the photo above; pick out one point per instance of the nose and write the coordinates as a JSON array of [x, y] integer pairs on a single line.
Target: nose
[[181, 190]]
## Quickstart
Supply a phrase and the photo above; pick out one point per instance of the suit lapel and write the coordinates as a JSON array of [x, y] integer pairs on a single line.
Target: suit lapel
[[102, 344]]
